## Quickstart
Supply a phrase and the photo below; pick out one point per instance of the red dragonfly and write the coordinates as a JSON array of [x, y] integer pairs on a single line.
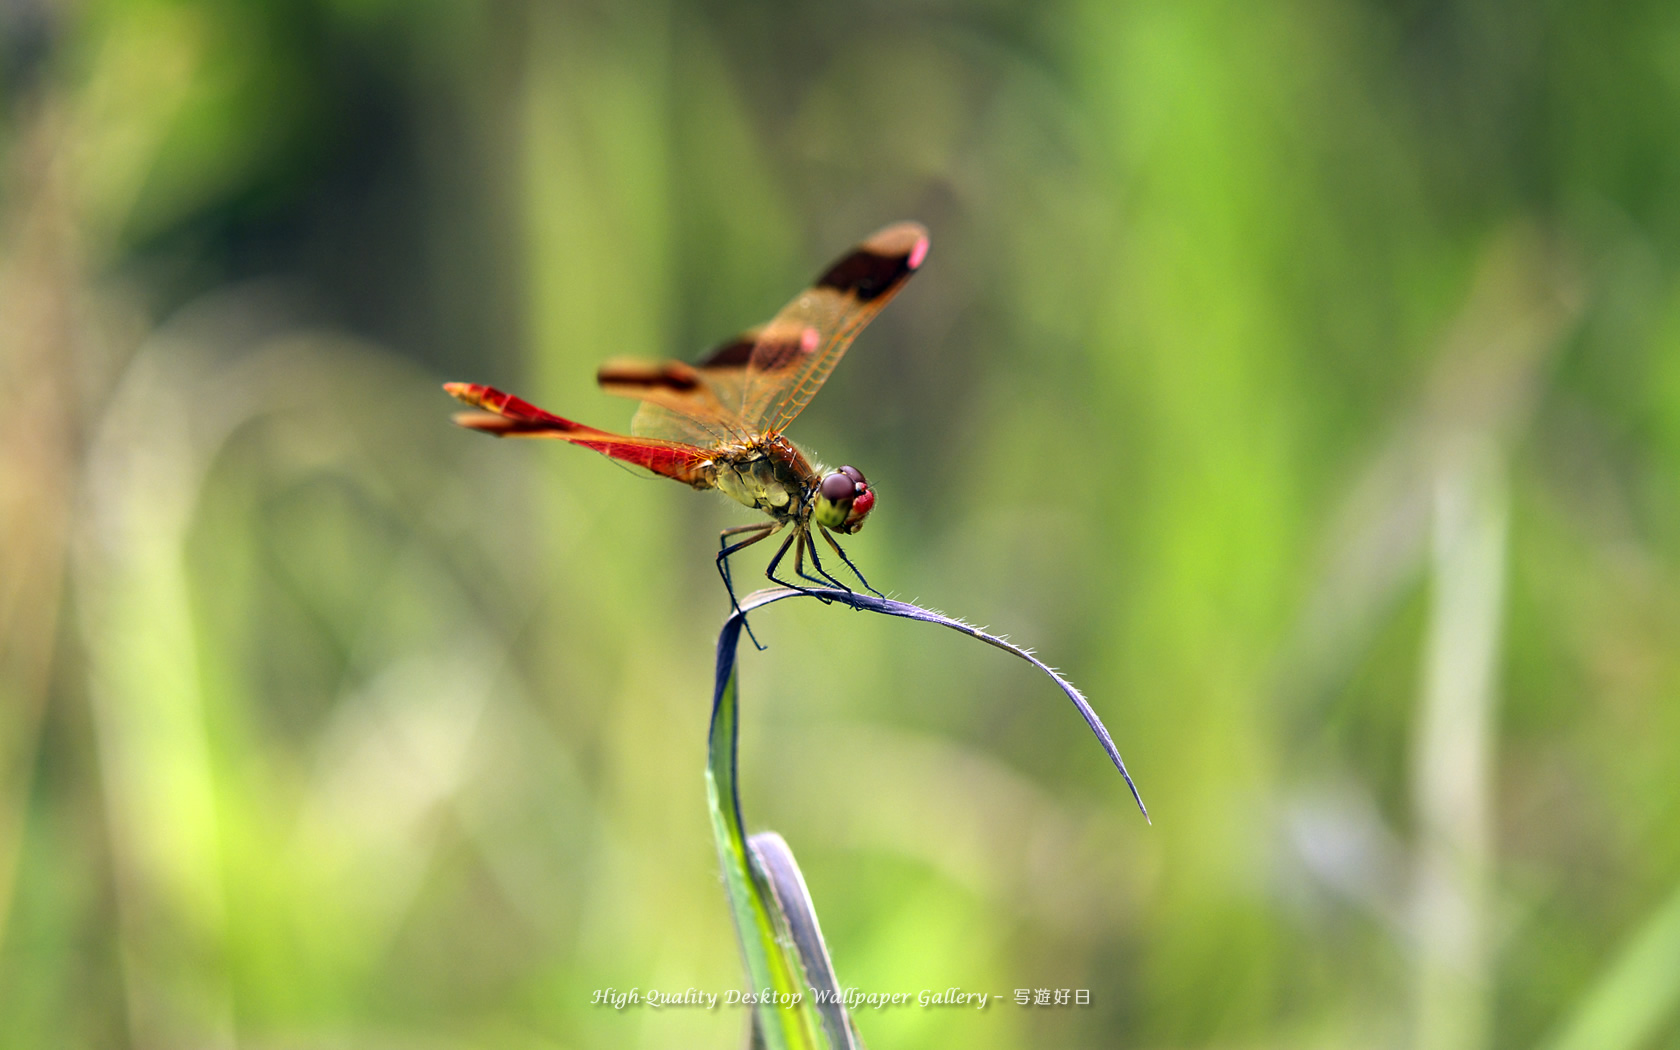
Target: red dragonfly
[[718, 423]]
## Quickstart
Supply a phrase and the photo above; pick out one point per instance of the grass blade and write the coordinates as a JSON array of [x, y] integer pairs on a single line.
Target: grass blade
[[774, 861], [766, 945], [781, 942], [889, 607]]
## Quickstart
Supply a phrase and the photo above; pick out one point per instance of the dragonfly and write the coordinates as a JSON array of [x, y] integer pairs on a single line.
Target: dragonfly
[[718, 423]]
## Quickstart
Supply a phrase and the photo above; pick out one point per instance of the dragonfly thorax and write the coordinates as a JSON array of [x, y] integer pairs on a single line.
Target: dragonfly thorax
[[773, 477]]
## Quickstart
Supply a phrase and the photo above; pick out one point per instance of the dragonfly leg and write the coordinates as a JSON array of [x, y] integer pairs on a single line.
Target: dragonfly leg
[[832, 542], [821, 580], [799, 534], [759, 531], [826, 575], [765, 527]]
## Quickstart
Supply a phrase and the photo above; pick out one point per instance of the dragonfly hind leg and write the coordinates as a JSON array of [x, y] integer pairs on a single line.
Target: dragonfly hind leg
[[759, 531], [832, 542]]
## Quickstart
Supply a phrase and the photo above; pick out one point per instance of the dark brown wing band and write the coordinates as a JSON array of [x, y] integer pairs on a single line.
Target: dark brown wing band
[[874, 270]]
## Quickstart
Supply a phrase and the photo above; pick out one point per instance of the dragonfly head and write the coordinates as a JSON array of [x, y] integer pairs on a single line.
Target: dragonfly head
[[844, 499]]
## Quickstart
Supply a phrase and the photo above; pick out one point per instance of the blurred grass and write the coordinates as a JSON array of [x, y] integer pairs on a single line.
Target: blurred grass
[[322, 723]]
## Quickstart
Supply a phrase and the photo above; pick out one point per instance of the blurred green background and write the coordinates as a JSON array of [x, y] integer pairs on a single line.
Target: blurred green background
[[1300, 378]]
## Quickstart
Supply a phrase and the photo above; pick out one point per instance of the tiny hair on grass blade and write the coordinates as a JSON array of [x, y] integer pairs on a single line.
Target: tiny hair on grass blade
[[731, 632]]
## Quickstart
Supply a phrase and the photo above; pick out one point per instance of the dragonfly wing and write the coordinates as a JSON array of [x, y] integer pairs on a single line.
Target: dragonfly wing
[[728, 367], [507, 416], [702, 403], [798, 350], [680, 402]]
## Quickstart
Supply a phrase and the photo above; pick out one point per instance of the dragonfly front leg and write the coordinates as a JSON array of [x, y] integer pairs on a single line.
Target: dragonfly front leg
[[759, 531], [832, 542]]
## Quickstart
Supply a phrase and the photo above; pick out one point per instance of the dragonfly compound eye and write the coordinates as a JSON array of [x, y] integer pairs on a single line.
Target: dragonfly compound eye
[[860, 510], [838, 486], [854, 473]]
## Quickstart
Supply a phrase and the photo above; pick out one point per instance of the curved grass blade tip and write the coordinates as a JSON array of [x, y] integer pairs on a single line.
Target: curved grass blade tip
[[731, 634]]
